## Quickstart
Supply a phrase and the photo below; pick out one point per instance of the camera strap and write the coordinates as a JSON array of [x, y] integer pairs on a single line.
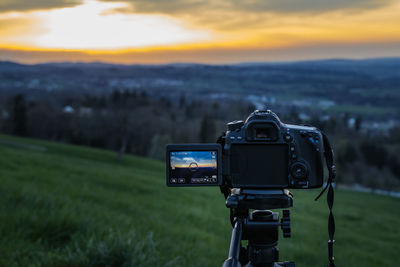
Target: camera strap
[[328, 152]]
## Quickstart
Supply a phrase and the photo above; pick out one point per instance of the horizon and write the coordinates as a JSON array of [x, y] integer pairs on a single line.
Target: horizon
[[243, 63], [209, 32]]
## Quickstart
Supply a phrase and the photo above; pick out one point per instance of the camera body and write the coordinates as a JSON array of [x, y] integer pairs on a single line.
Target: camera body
[[260, 152]]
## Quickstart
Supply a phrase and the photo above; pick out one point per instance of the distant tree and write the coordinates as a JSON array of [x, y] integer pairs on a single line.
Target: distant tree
[[126, 94], [394, 166], [357, 123], [293, 117], [119, 118], [144, 98], [331, 125], [157, 147], [374, 154], [315, 121], [346, 118], [19, 115], [249, 109], [395, 134], [115, 97], [172, 116], [122, 119], [373, 178], [348, 154], [389, 182], [215, 106], [182, 101], [358, 171], [102, 101], [207, 129], [189, 111], [164, 102]]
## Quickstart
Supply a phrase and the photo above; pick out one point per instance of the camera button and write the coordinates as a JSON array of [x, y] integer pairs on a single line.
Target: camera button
[[235, 125], [232, 138], [181, 180], [302, 183], [288, 137], [239, 138], [299, 171], [174, 181]]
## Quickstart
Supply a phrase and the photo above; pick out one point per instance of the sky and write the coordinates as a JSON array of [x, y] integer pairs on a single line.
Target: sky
[[185, 158], [208, 31]]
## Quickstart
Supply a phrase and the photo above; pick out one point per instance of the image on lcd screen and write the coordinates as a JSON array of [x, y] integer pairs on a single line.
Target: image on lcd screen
[[193, 167]]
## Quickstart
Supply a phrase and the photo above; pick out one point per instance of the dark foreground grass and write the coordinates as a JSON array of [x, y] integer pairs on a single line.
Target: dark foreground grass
[[63, 205]]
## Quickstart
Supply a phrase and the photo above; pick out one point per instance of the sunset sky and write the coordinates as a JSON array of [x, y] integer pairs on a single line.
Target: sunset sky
[[183, 159], [209, 31]]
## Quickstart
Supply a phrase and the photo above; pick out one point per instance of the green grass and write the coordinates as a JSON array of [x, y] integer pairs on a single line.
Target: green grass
[[63, 205]]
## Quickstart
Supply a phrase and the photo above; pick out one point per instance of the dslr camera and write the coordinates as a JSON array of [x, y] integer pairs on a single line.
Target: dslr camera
[[254, 162], [258, 153]]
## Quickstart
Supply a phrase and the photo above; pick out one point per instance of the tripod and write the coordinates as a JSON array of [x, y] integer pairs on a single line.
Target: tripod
[[259, 227]]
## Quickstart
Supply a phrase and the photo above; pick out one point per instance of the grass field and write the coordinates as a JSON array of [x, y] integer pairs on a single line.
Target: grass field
[[63, 205]]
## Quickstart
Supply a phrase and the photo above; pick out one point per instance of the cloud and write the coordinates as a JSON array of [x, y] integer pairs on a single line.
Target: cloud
[[162, 6], [24, 5], [232, 16], [188, 159], [195, 7], [92, 26], [306, 6]]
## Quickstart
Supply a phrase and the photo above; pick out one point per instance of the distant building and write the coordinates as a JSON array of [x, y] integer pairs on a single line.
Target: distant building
[[68, 109], [326, 104], [304, 117], [351, 122], [373, 127]]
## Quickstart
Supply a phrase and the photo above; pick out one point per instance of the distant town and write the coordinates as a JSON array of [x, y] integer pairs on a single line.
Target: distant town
[[139, 108]]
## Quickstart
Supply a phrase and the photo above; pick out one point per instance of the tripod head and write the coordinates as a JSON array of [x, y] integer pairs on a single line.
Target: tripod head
[[259, 199], [259, 226]]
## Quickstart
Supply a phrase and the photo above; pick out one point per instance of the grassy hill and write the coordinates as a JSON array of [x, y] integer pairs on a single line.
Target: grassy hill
[[63, 205]]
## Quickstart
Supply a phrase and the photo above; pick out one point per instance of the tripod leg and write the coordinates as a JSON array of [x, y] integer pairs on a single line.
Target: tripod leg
[[234, 249]]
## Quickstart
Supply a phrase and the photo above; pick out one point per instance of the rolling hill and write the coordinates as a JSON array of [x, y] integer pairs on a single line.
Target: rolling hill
[[349, 84], [64, 205]]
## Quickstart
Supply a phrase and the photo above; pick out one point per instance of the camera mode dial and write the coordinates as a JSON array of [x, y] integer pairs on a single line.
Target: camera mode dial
[[234, 125]]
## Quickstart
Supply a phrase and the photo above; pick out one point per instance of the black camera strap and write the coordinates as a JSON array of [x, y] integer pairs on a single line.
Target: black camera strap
[[328, 152]]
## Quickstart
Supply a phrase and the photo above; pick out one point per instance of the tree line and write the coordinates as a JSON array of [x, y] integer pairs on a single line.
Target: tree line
[[132, 122]]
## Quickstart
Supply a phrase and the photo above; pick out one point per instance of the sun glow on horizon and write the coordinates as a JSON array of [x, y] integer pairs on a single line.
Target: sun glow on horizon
[[94, 26], [212, 31]]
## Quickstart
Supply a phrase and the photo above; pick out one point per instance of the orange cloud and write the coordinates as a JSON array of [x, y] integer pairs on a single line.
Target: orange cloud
[[210, 31], [24, 5]]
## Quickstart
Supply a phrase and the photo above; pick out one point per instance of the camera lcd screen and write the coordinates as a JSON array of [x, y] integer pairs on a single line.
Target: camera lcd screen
[[193, 167], [260, 165]]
